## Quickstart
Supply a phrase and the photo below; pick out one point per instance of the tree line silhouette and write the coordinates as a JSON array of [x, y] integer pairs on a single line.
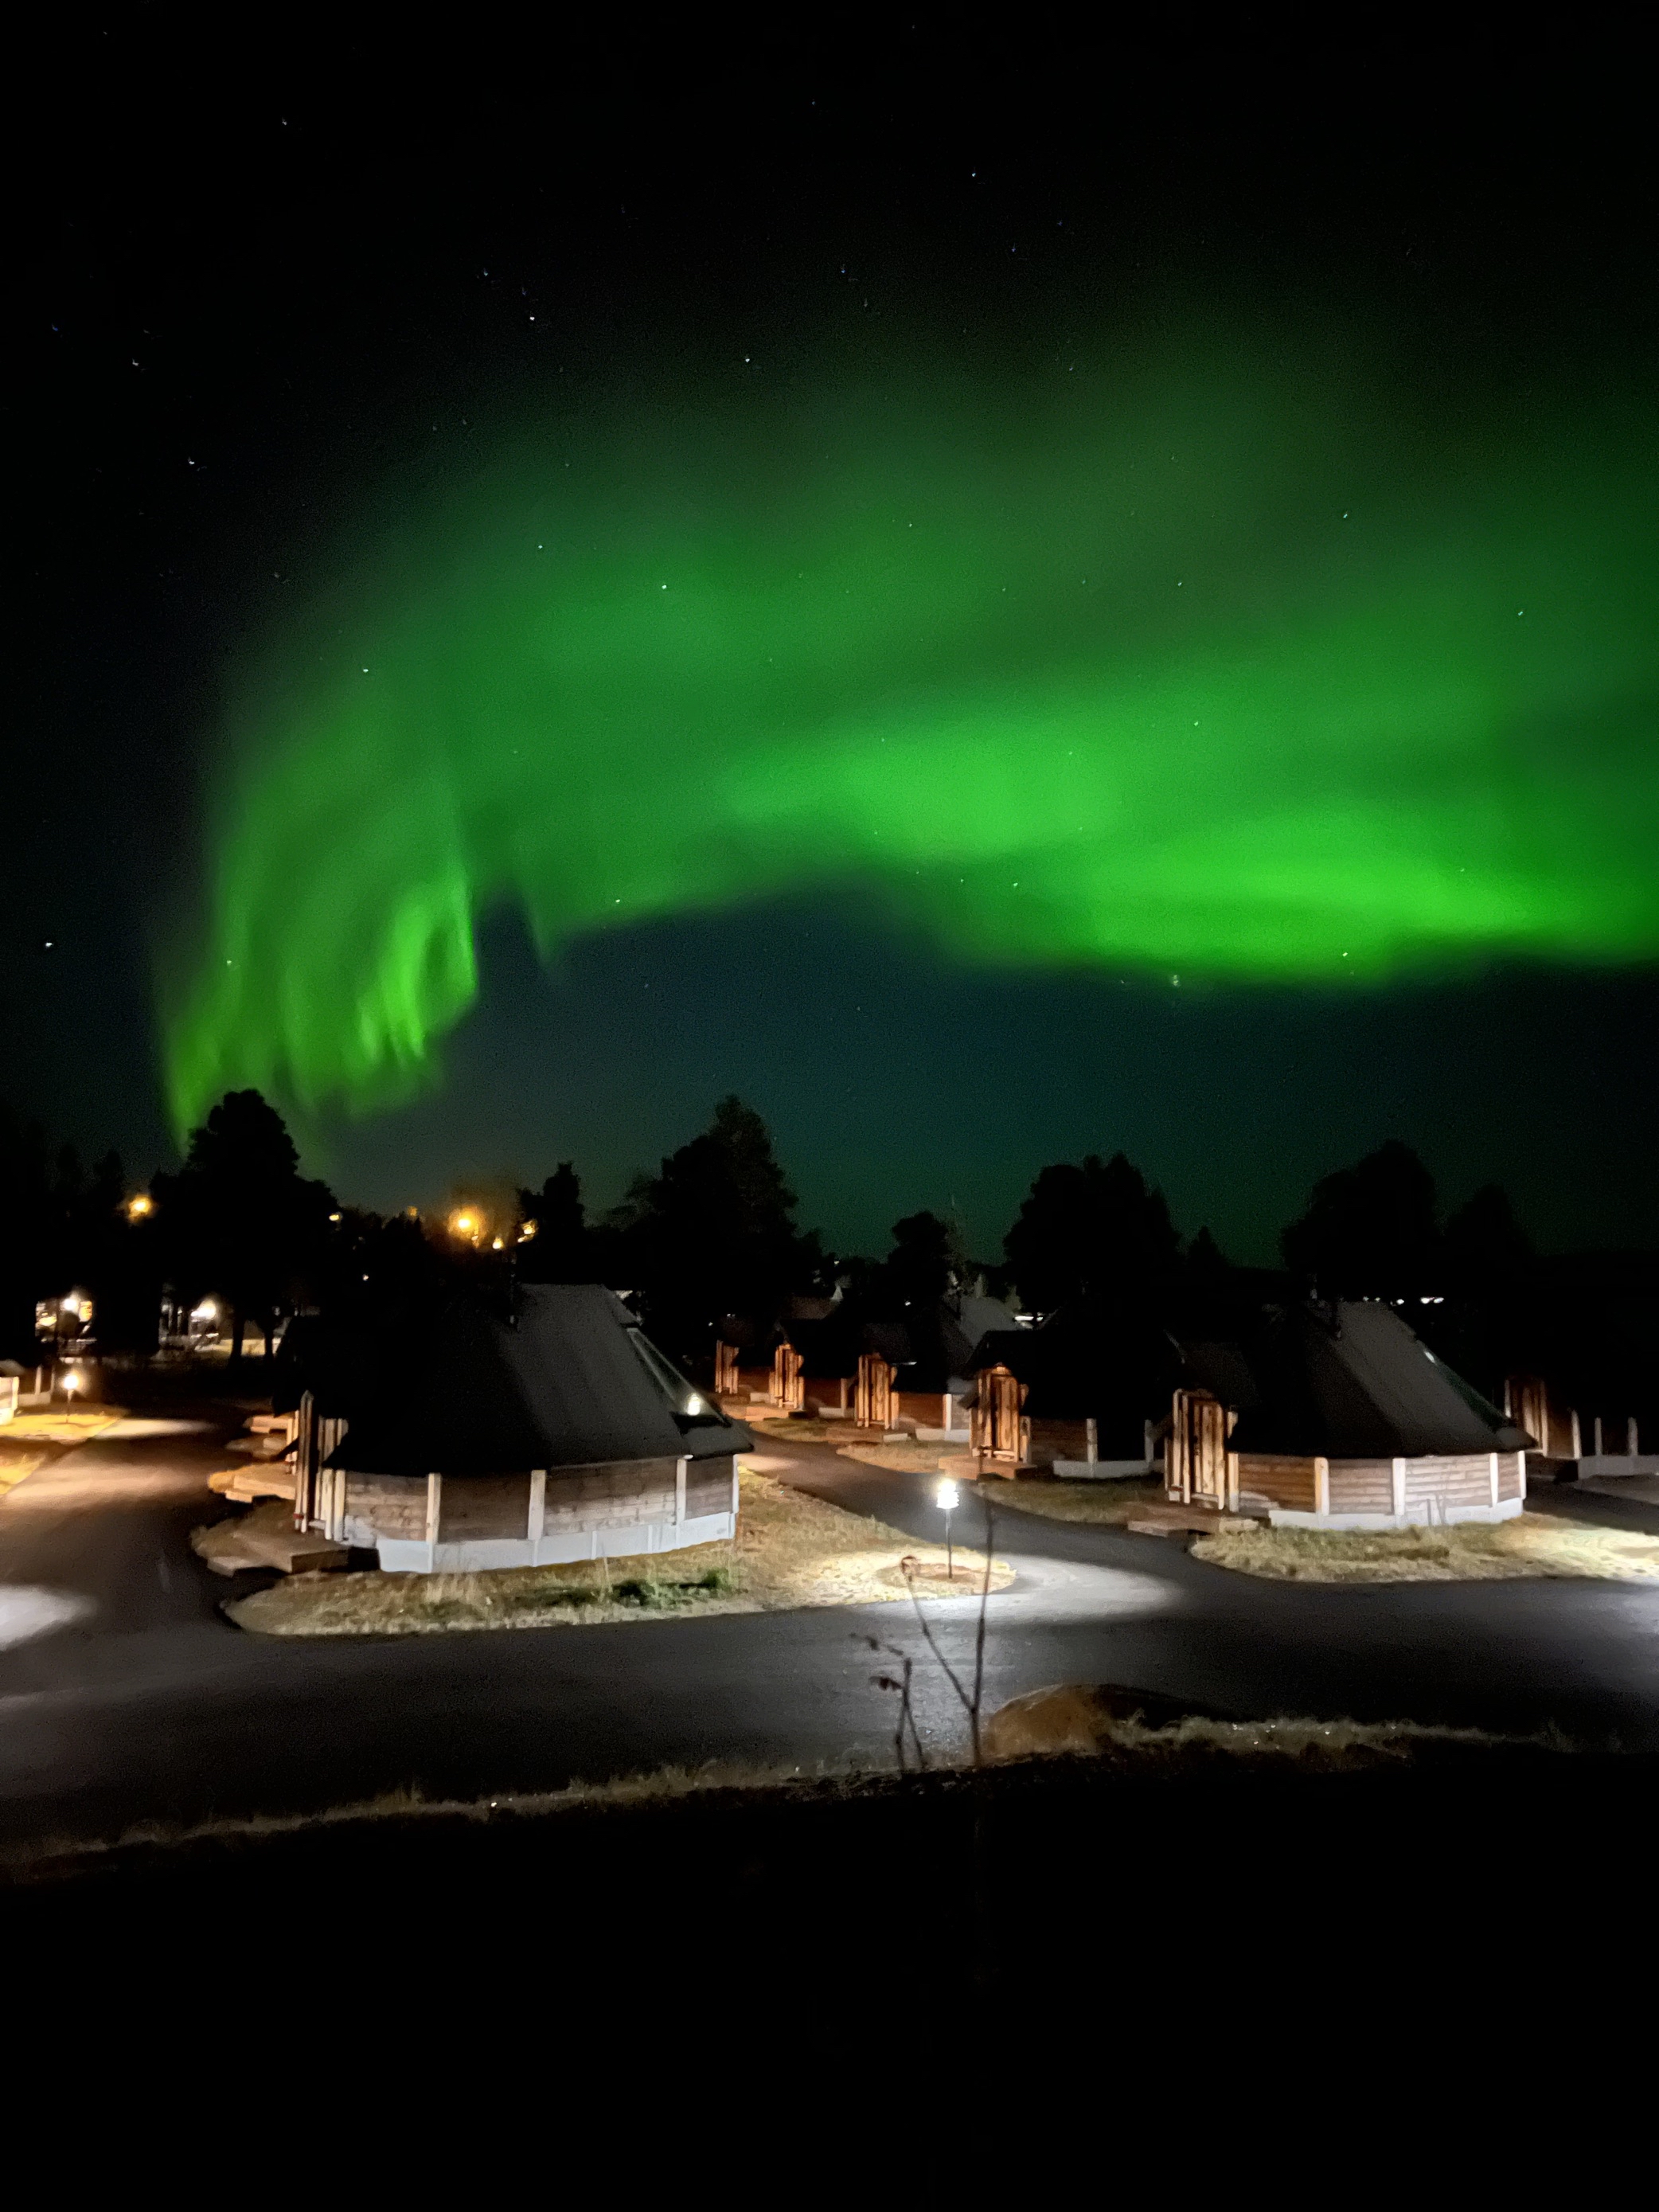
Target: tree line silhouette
[[709, 1246]]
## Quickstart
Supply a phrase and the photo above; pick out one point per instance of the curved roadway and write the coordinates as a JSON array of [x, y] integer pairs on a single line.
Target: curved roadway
[[125, 1695]]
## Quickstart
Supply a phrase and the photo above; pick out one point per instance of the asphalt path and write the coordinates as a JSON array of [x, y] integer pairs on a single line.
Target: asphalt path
[[126, 1697]]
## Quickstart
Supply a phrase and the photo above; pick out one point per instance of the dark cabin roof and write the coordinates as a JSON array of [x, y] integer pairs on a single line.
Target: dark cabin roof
[[1351, 1381], [1085, 1364], [567, 1379]]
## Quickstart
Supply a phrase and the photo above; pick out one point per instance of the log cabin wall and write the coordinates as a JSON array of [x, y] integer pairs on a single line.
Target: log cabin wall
[[726, 1370], [928, 1409], [483, 1507], [618, 1495], [1281, 1479], [1052, 1440], [378, 1505], [1358, 1486], [1463, 1479], [1419, 1489], [833, 1392], [710, 1487]]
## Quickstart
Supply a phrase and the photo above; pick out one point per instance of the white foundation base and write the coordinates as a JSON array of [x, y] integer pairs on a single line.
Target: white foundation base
[[401, 1556], [1421, 1516]]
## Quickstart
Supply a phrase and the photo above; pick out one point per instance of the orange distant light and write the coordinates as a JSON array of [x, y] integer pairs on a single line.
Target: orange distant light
[[139, 1206], [464, 1224]]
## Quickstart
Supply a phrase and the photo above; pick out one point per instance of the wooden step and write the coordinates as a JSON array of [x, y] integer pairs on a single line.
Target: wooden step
[[1186, 1520]]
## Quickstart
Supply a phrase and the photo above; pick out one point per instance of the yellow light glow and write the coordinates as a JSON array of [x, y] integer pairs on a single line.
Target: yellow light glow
[[949, 1496], [140, 1206], [464, 1224], [495, 1244], [336, 1217], [526, 1231]]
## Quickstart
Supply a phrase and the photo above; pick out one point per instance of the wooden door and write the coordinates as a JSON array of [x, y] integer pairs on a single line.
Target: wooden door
[[997, 1429], [786, 1385], [873, 1396], [1196, 1470]]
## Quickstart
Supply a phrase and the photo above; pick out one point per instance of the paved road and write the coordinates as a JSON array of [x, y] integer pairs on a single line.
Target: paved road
[[125, 1694]]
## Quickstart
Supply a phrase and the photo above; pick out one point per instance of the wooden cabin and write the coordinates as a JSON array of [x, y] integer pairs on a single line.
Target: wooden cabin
[[473, 1440], [1081, 1396], [1341, 1417]]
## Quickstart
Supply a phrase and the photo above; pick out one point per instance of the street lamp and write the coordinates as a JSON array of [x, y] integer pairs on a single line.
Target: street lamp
[[949, 1497]]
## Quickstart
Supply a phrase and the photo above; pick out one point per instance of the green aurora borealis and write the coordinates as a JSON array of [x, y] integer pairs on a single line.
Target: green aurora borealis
[[1202, 665]]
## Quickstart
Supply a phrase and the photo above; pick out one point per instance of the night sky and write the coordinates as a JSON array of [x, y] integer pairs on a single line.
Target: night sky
[[1002, 601]]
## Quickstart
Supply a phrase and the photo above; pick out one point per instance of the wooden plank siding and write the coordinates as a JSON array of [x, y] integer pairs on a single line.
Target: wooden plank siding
[[1281, 1480], [1382, 1486], [707, 1487], [1460, 1478], [609, 1497], [1053, 1440], [477, 1508], [928, 1409], [390, 1505], [1360, 1485]]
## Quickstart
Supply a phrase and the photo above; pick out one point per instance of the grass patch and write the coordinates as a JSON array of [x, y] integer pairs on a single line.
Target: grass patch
[[791, 1550], [1532, 1545], [17, 1460], [34, 1439], [1103, 1504], [913, 1458]]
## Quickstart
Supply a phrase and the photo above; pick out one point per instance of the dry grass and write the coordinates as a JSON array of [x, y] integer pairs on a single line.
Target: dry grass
[[33, 1440], [791, 1550], [1103, 1504], [1532, 1545], [913, 1458], [15, 1462], [64, 1426], [1076, 1718], [785, 1428]]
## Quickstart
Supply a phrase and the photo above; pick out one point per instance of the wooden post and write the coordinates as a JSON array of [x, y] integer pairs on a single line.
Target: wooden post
[[1400, 1481], [434, 1496], [1493, 1457], [679, 1494], [536, 1524], [1322, 1486]]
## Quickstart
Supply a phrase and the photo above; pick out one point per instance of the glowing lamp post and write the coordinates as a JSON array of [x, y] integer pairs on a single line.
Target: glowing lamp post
[[949, 1497]]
